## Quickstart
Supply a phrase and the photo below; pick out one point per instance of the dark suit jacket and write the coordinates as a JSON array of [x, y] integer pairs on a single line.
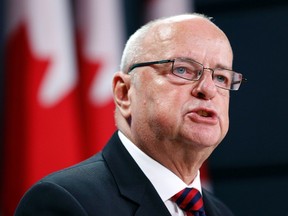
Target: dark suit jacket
[[109, 183]]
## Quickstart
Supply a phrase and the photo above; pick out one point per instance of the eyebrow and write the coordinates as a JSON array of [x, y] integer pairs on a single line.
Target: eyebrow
[[218, 65]]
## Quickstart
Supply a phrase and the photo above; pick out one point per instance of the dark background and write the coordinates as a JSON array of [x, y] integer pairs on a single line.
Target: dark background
[[249, 170]]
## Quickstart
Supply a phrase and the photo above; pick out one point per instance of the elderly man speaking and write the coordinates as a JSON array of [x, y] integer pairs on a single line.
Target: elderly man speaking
[[172, 102]]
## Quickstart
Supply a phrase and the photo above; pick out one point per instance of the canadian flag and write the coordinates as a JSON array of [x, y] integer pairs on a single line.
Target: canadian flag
[[42, 129], [100, 41]]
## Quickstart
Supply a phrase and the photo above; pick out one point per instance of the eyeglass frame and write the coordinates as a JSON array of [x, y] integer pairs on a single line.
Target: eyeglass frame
[[149, 63]]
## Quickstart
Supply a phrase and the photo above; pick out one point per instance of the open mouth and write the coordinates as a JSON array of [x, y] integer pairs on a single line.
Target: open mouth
[[204, 113]]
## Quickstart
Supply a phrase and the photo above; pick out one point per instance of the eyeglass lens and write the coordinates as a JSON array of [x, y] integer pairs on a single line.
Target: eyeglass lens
[[192, 70]]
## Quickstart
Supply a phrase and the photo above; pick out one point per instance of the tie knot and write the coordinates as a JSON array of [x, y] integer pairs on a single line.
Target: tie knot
[[190, 201]]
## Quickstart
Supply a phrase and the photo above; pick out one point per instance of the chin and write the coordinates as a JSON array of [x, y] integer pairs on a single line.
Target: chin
[[203, 136], [205, 142]]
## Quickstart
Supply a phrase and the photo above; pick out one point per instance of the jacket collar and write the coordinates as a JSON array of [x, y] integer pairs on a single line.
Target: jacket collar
[[132, 182], [213, 206]]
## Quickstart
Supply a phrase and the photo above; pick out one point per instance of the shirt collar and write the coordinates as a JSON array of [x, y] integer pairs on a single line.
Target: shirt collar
[[164, 181]]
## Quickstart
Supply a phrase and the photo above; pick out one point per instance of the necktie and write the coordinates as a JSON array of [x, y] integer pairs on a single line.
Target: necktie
[[190, 201]]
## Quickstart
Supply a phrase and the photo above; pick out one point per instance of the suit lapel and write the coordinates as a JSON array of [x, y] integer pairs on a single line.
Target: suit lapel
[[213, 206], [131, 181], [210, 206]]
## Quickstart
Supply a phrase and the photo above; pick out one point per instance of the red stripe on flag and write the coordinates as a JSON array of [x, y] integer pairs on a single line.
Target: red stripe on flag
[[39, 138]]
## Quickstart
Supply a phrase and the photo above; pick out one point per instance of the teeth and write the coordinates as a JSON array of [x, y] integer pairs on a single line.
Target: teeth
[[202, 113]]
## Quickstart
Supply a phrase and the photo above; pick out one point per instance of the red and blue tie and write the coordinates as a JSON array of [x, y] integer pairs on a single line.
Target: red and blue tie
[[190, 201]]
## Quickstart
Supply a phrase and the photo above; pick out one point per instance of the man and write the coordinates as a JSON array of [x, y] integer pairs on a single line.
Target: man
[[172, 99]]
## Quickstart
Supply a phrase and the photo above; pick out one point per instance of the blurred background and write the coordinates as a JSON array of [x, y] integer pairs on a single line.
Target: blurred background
[[56, 62]]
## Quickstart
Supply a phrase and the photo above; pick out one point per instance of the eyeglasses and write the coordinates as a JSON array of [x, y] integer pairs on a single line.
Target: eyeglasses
[[192, 70]]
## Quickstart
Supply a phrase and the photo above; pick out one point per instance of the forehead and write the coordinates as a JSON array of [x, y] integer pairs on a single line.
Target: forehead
[[196, 38]]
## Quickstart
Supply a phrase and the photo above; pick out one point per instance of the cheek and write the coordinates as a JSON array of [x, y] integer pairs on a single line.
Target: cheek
[[159, 101], [148, 95], [225, 114], [155, 91], [157, 97]]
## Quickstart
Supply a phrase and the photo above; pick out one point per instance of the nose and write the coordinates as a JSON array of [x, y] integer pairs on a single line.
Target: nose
[[205, 87]]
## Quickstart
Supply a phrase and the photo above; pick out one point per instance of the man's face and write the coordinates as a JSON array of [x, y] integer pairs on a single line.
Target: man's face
[[168, 109]]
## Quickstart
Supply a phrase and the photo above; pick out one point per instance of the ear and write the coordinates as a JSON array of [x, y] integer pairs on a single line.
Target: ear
[[121, 86]]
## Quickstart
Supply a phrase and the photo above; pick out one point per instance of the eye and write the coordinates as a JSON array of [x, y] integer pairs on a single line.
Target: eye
[[199, 73], [221, 79], [188, 70], [180, 70]]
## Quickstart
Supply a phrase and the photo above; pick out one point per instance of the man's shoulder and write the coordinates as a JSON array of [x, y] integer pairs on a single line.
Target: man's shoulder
[[76, 190], [84, 180], [86, 169]]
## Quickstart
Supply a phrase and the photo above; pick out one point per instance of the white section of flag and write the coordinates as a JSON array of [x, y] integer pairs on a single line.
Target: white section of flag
[[49, 20], [102, 25]]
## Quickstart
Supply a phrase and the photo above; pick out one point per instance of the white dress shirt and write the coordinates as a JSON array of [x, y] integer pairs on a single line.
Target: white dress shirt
[[164, 181]]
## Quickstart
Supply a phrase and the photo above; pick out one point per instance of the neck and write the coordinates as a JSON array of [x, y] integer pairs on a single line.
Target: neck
[[184, 162]]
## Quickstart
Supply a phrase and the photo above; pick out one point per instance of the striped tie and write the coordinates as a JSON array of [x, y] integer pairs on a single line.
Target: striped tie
[[190, 201]]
